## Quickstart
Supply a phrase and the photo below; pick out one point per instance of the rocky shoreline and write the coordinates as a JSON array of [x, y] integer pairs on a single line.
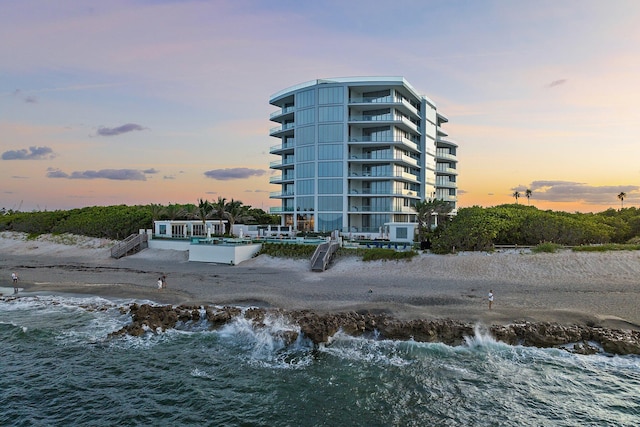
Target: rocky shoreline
[[320, 327]]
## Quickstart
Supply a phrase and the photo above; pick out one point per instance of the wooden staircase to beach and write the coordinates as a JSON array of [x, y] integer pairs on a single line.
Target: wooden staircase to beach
[[323, 254], [131, 245]]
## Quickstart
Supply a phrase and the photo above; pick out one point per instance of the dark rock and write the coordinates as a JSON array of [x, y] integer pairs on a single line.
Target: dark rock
[[320, 327]]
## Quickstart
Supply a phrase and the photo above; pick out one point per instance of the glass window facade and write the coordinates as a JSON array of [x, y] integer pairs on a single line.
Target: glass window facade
[[401, 232], [304, 187], [360, 153], [331, 132], [306, 98], [334, 113], [305, 135], [329, 203], [330, 186], [330, 152], [306, 153], [329, 222], [304, 117], [330, 169], [305, 203], [331, 95], [305, 170]]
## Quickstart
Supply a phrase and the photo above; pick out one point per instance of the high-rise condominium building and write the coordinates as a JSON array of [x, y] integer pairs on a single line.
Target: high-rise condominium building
[[355, 154]]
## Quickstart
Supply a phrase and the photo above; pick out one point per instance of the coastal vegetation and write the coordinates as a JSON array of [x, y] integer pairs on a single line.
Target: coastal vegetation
[[472, 229], [546, 247], [387, 254], [481, 229], [118, 222]]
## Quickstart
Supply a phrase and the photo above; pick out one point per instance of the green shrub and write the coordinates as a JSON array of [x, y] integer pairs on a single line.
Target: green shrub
[[287, 250], [387, 254], [607, 247], [546, 247]]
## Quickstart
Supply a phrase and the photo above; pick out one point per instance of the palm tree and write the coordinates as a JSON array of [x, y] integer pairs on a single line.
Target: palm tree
[[236, 212], [528, 194], [156, 211], [220, 209], [174, 211], [203, 211], [425, 210], [621, 196], [516, 194]]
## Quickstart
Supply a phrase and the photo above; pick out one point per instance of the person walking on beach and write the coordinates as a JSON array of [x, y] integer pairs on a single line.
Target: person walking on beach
[[14, 279], [490, 298], [164, 281], [160, 283]]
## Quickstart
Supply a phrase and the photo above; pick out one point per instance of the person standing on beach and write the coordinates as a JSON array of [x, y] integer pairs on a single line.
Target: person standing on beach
[[490, 298], [164, 281], [160, 283], [14, 279]]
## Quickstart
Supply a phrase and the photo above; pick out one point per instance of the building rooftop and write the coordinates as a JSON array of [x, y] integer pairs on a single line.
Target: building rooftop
[[373, 79]]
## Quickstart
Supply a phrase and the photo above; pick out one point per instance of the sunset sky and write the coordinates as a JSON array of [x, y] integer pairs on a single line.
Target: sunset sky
[[141, 101]]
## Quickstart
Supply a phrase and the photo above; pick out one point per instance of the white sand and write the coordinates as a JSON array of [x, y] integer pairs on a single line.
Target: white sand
[[566, 287]]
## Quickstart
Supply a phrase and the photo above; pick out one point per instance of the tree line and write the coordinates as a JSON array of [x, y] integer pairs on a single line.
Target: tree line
[[480, 229], [473, 228], [118, 222]]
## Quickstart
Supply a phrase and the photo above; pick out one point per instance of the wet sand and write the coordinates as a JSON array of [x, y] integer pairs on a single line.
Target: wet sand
[[596, 289]]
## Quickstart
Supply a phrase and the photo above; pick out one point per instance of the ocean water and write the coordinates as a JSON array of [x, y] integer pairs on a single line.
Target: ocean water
[[58, 367]]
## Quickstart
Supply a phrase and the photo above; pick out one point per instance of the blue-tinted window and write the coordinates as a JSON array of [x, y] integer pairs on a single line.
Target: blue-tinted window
[[330, 152], [304, 117], [305, 135], [401, 232], [376, 220], [305, 99], [331, 114], [305, 170], [306, 153], [330, 186], [331, 95], [163, 229], [331, 133], [304, 203], [304, 187], [330, 169], [329, 222], [330, 203]]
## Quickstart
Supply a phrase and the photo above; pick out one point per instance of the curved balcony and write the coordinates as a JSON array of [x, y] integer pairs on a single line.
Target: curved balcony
[[281, 163], [400, 121], [398, 176], [279, 179], [280, 209], [400, 142], [446, 171], [445, 156], [282, 113], [281, 130], [446, 184], [282, 148], [280, 194], [441, 142], [390, 158]]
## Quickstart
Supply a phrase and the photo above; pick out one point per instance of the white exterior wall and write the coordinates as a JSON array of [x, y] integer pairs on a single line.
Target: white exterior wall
[[223, 254]]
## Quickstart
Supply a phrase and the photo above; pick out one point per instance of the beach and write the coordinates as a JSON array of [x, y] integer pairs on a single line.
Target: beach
[[90, 339], [595, 289]]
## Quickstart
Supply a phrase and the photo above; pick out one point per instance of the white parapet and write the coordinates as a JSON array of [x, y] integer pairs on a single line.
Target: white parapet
[[223, 254]]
